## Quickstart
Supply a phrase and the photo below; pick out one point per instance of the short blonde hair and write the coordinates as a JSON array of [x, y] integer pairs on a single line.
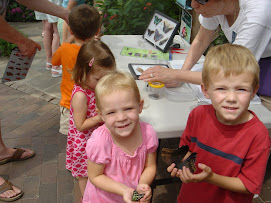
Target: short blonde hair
[[114, 82], [231, 59]]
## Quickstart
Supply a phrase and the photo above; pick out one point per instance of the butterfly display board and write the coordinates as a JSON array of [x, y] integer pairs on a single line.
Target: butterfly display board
[[161, 31], [17, 67]]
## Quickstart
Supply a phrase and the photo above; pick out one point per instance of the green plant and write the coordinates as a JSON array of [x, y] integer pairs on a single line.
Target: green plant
[[6, 48], [132, 17], [19, 13]]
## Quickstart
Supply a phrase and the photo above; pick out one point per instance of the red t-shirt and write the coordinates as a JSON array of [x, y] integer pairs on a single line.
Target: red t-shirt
[[230, 150]]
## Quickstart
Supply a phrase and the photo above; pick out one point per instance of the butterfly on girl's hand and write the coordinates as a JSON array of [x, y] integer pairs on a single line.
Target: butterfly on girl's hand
[[157, 35], [136, 196], [163, 41], [150, 32], [157, 20], [167, 27], [176, 156]]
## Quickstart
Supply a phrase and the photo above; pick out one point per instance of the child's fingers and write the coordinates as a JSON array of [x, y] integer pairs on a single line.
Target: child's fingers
[[171, 167]]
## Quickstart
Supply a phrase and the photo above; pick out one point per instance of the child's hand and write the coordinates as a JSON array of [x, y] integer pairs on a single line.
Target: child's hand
[[127, 195], [144, 189], [172, 170], [187, 177]]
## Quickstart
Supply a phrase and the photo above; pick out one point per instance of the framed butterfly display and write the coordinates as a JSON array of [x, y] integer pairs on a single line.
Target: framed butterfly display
[[161, 31]]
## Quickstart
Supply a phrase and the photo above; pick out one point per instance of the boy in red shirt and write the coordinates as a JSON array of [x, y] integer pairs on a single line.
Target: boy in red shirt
[[231, 143]]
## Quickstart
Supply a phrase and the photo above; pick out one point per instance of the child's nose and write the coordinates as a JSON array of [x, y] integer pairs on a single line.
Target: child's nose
[[121, 116], [231, 96]]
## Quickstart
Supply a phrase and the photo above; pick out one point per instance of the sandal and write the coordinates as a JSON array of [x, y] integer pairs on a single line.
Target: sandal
[[8, 186], [17, 156], [48, 66], [56, 72]]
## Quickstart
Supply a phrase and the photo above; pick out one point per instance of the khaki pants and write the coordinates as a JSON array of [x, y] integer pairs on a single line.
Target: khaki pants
[[64, 120]]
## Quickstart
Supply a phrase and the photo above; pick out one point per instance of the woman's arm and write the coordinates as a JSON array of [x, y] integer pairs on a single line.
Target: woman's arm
[[201, 42], [80, 107], [166, 75], [66, 35], [97, 178], [45, 6], [27, 46]]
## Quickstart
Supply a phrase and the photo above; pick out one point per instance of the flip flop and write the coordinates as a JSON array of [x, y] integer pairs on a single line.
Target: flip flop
[[17, 156], [8, 186], [48, 66], [56, 72]]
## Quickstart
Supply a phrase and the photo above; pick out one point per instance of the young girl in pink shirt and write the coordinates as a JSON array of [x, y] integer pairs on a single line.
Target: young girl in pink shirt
[[122, 152], [94, 60]]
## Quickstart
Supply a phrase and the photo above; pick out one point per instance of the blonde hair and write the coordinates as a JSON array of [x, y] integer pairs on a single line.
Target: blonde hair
[[231, 59], [103, 59], [114, 82]]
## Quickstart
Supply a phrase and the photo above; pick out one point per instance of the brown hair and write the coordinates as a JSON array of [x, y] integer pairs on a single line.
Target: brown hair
[[114, 82], [231, 59], [84, 21], [102, 56]]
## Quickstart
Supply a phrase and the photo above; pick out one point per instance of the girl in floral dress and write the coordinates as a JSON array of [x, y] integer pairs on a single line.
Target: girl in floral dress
[[94, 61]]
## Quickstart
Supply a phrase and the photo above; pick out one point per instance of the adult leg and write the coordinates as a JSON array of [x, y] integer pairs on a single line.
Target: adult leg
[[6, 152], [56, 70], [47, 43]]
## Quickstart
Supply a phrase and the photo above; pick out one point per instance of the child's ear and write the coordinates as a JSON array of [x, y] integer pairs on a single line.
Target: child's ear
[[70, 30], [100, 114], [204, 91], [141, 105], [255, 90], [98, 31]]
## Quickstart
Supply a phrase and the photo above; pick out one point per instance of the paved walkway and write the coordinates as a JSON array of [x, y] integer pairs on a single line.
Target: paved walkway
[[29, 114]]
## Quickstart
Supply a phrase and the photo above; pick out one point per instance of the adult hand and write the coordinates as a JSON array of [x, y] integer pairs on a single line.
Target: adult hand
[[187, 177], [28, 47], [157, 73]]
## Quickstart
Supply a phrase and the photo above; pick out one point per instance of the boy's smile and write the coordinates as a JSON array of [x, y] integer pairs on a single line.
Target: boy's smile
[[231, 97]]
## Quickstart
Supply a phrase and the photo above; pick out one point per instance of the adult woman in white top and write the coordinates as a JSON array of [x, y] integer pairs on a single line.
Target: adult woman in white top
[[244, 22]]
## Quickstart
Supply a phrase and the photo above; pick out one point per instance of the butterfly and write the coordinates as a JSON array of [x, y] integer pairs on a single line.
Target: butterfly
[[167, 27], [136, 196], [170, 156], [157, 36], [150, 32], [163, 41], [157, 20]]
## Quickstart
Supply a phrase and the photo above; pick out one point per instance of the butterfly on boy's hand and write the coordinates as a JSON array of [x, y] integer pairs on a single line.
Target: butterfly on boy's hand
[[136, 196], [150, 32], [157, 20], [167, 27], [157, 35], [176, 156]]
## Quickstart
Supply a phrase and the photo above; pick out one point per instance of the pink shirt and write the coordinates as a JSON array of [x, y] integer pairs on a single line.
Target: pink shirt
[[120, 166]]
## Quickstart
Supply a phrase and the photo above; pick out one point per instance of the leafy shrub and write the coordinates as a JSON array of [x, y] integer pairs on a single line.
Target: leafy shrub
[[18, 13], [133, 16], [6, 48]]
